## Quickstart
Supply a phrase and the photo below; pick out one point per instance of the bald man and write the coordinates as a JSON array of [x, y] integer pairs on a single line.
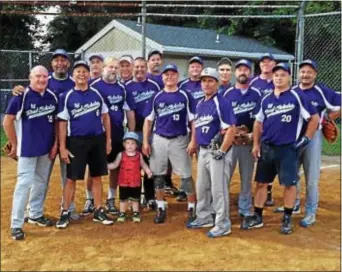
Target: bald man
[[29, 124]]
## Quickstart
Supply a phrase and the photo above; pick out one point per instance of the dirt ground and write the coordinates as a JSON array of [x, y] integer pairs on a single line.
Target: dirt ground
[[88, 246]]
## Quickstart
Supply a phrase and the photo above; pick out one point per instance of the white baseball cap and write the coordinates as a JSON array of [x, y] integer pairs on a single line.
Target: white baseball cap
[[210, 72]]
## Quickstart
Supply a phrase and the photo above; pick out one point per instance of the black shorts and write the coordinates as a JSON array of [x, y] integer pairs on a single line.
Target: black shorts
[[87, 150], [117, 147], [129, 193], [278, 160]]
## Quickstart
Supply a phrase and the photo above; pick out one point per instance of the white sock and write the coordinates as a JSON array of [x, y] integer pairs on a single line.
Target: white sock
[[89, 194], [160, 204], [191, 205], [111, 193]]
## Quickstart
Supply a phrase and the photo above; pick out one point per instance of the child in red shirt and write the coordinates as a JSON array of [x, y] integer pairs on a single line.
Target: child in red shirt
[[130, 162]]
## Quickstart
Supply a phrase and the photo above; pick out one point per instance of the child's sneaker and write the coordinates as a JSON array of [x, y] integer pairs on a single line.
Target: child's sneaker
[[121, 218], [136, 217]]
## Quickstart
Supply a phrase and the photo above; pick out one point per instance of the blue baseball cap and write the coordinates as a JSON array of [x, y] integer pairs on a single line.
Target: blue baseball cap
[[267, 56], [170, 67], [284, 66], [310, 62], [81, 63], [99, 56], [244, 62], [60, 52], [196, 59], [131, 135]]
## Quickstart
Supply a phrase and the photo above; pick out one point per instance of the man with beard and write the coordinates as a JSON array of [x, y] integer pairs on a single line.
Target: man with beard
[[84, 139], [193, 84], [277, 143], [119, 105], [328, 105], [225, 70], [142, 89], [59, 82], [245, 101], [126, 68], [96, 66], [264, 84], [154, 63]]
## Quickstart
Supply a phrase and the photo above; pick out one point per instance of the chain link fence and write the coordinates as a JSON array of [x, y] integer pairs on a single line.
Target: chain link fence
[[322, 42]]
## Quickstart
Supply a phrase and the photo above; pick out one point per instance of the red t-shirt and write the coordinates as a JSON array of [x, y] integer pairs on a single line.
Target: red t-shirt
[[129, 174]]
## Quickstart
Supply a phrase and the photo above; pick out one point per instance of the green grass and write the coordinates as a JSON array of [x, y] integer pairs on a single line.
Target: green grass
[[335, 148]]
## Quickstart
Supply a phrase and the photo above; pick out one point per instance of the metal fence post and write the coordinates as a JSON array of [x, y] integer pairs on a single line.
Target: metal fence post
[[30, 60], [299, 38], [143, 28]]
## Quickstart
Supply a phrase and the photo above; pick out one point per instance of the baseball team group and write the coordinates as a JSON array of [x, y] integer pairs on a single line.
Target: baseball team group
[[124, 117]]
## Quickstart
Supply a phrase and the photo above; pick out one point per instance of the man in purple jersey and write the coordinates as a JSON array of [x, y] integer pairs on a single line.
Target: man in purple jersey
[[277, 142], [154, 63], [59, 81], [30, 127], [245, 101], [142, 89], [82, 144], [96, 66], [119, 105], [213, 117], [126, 68], [193, 84], [171, 111], [225, 70], [328, 105], [264, 84]]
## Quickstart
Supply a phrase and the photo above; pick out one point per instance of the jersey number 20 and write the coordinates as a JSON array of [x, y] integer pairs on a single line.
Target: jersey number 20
[[286, 118]]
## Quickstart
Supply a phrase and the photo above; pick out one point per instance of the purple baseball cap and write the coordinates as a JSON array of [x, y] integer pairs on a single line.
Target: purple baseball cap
[[267, 56], [60, 52], [309, 62], [283, 66], [170, 67], [244, 62]]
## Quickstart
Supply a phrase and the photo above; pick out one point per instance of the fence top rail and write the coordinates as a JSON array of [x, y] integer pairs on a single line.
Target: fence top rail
[[323, 14]]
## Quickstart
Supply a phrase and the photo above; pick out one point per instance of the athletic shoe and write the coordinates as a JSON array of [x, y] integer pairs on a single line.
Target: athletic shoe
[[121, 218], [200, 223], [136, 217], [182, 197], [308, 220], [269, 201], [286, 227], [160, 216], [63, 221], [110, 207], [296, 209], [152, 205], [171, 190], [17, 234], [41, 221], [101, 217], [218, 232], [250, 222], [88, 207], [191, 216]]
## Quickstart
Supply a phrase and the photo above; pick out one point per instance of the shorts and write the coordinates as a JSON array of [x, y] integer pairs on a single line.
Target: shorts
[[278, 160], [129, 193], [117, 147], [87, 150]]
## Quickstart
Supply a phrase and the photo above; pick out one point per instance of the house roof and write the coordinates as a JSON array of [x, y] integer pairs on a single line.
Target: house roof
[[186, 40]]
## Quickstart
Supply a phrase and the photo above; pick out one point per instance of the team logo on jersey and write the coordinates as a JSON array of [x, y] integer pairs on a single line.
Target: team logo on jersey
[[279, 109], [267, 91], [170, 109], [76, 105], [114, 99], [244, 107], [140, 97], [203, 120], [40, 111], [86, 108], [197, 95]]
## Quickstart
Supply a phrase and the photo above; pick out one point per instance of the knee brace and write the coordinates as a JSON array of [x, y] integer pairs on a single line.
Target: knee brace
[[188, 185], [159, 182]]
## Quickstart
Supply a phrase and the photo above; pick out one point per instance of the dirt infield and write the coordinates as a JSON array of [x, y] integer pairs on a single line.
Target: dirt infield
[[146, 246]]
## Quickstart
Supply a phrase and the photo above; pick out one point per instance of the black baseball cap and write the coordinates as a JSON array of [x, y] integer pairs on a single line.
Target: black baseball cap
[[154, 52]]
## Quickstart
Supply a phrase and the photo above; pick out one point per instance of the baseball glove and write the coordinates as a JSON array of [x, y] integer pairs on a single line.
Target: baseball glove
[[242, 136], [330, 131], [7, 149]]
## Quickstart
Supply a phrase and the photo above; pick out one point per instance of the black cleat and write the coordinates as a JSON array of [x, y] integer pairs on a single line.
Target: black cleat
[[286, 227], [17, 234], [160, 216], [182, 197], [110, 207], [171, 190], [64, 220], [101, 217], [88, 207], [250, 222], [41, 221]]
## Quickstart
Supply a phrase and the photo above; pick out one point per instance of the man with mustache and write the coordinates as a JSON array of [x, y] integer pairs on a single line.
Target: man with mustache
[[154, 63], [119, 105], [96, 66], [328, 105], [245, 101], [126, 68]]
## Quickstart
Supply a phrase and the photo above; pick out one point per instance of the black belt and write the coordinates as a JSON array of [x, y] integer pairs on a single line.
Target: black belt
[[273, 145], [170, 137], [205, 146]]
